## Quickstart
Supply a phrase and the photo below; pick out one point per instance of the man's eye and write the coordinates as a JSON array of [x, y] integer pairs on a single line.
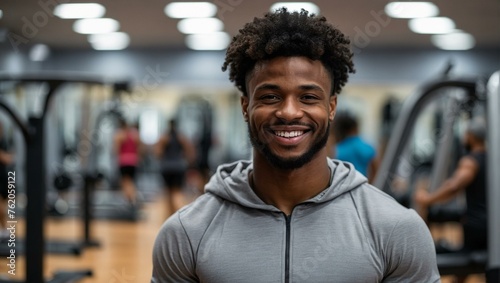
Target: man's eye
[[269, 97], [309, 98]]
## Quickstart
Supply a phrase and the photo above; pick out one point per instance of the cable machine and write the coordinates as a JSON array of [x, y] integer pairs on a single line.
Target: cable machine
[[33, 134], [475, 262]]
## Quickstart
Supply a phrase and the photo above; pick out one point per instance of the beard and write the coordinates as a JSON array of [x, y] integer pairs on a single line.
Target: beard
[[289, 163]]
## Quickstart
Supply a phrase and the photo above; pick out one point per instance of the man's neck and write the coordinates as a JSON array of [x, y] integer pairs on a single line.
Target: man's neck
[[286, 188]]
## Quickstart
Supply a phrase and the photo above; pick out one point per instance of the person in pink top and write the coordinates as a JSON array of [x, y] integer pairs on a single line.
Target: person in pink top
[[127, 147]]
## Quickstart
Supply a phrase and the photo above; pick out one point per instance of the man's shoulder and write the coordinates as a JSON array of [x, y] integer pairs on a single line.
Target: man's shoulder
[[387, 221], [369, 191], [194, 218], [380, 208]]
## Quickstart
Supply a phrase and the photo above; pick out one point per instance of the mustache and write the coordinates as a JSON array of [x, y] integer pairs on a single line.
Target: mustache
[[290, 123]]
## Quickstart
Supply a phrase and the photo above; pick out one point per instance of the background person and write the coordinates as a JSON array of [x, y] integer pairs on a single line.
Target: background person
[[350, 147], [127, 146], [176, 154], [469, 176]]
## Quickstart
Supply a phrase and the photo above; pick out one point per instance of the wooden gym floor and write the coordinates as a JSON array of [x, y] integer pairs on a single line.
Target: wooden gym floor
[[124, 255], [126, 247]]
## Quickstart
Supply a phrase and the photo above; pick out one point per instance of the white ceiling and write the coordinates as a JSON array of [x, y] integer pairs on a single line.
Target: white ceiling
[[149, 27]]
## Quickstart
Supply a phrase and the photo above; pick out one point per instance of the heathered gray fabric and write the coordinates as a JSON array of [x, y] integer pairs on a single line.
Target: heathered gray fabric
[[350, 232]]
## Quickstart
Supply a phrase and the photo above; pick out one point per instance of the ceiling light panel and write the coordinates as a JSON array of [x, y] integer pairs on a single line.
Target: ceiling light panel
[[200, 25], [109, 41], [39, 52], [79, 10], [208, 41], [433, 25], [458, 40], [296, 6], [411, 9], [178, 10], [100, 25]]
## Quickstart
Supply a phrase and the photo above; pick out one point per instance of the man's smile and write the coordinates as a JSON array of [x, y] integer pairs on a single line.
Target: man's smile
[[290, 134]]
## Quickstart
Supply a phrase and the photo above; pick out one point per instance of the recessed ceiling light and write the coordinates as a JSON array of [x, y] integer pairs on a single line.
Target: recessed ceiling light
[[457, 40], [79, 10], [296, 6], [411, 9], [109, 41], [178, 10], [200, 25], [434, 25], [208, 41], [39, 52], [100, 25]]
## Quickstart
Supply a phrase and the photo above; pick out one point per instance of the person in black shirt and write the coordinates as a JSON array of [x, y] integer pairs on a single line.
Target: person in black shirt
[[470, 176], [176, 154]]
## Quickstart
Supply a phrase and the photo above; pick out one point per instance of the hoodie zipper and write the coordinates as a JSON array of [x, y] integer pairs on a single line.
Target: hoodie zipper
[[287, 248]]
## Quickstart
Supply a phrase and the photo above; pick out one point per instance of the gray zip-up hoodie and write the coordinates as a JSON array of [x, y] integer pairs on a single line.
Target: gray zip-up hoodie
[[350, 232]]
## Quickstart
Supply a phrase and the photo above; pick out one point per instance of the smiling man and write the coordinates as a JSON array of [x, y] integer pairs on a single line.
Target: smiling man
[[291, 214]]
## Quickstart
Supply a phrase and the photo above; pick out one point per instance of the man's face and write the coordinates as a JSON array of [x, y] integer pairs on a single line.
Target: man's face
[[289, 110]]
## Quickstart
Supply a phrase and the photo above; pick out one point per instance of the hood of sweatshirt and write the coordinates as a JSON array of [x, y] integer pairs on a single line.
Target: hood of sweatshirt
[[230, 182]]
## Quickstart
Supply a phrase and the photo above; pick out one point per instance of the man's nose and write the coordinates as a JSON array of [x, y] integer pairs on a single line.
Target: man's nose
[[290, 109]]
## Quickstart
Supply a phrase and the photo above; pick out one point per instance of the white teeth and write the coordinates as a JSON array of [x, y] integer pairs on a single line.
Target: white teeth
[[291, 134]]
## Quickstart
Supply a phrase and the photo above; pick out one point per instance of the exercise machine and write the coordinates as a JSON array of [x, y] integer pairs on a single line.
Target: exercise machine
[[33, 134], [475, 90]]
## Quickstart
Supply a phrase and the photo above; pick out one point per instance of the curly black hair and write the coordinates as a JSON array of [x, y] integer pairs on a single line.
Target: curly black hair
[[284, 33]]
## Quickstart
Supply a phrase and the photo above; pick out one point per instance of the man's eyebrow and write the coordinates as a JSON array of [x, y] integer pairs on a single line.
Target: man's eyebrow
[[302, 87], [312, 87], [268, 87]]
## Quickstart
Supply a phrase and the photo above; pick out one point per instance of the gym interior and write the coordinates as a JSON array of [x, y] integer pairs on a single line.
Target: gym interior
[[64, 92]]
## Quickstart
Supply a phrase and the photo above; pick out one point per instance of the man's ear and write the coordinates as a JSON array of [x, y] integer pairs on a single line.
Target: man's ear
[[244, 107], [333, 107]]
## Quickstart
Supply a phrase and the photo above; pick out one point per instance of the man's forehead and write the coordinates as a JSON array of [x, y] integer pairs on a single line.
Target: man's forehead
[[286, 65]]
